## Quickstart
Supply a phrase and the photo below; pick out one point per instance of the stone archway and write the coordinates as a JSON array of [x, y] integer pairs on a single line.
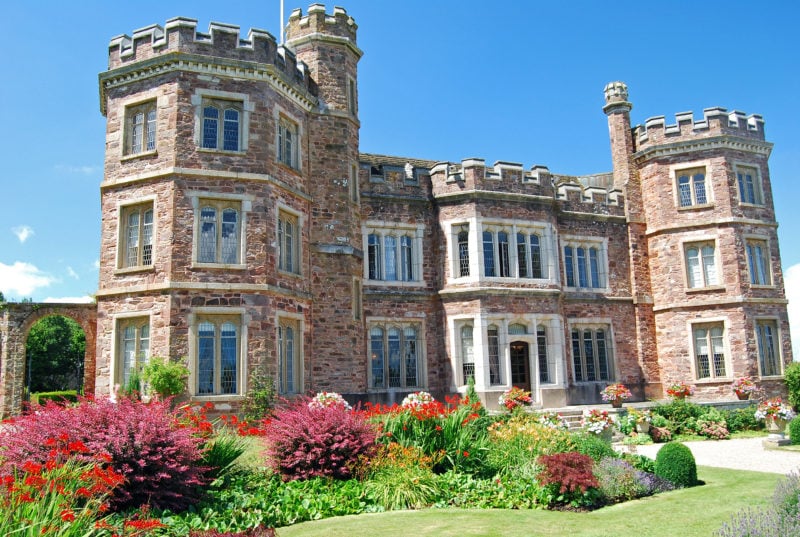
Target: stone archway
[[16, 320]]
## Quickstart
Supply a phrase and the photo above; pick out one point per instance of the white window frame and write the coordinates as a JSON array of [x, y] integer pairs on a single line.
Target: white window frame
[[762, 346], [758, 276], [573, 271], [707, 272], [509, 270], [401, 325], [128, 107], [295, 322], [690, 169], [242, 204], [222, 99], [218, 316], [756, 196], [291, 264], [709, 324], [124, 211], [593, 325], [145, 131], [142, 356], [377, 255]]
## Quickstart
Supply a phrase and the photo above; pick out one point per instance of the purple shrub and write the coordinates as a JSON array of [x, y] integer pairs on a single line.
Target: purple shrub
[[305, 442], [652, 484], [159, 458], [620, 481], [760, 523]]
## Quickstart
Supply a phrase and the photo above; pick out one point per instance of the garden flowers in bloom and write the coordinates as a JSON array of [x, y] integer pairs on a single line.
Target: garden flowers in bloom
[[616, 392], [596, 421], [680, 389], [774, 408], [744, 385], [416, 399], [553, 420], [515, 398], [328, 399]]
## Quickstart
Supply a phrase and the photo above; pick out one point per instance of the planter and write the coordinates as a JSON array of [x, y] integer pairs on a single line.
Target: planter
[[606, 435], [776, 427], [743, 396], [642, 427], [616, 403]]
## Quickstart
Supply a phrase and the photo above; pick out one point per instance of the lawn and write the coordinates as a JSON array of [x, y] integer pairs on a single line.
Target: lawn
[[695, 511]]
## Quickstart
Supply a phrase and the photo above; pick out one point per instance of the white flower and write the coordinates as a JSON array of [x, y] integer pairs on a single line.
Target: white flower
[[417, 398], [328, 399]]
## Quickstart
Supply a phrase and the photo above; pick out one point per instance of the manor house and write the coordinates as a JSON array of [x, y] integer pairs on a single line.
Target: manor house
[[244, 232]]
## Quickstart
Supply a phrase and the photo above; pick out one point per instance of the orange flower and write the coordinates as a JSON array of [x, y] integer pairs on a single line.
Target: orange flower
[[67, 515]]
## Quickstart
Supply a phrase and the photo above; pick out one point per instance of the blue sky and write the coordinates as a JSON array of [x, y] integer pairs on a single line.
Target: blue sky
[[515, 81]]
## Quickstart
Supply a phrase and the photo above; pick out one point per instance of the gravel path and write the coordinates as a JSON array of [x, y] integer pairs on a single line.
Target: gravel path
[[738, 454]]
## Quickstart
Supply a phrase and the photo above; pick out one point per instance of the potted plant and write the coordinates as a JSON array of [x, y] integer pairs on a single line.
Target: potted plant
[[642, 418], [328, 399], [552, 420], [515, 398], [680, 390], [743, 387], [616, 394], [597, 422], [417, 399], [775, 414]]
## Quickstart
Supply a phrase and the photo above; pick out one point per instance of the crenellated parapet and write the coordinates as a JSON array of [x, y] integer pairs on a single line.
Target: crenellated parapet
[[715, 122], [317, 23]]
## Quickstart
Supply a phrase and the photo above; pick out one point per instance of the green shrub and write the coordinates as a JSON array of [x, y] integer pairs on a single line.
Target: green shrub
[[641, 462], [743, 419], [592, 445], [221, 453], [567, 479], [66, 396], [260, 398], [166, 378], [676, 463], [681, 415], [413, 488], [794, 431], [516, 443], [791, 376], [468, 492]]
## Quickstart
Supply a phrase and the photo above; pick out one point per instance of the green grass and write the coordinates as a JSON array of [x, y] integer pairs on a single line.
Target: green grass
[[695, 511]]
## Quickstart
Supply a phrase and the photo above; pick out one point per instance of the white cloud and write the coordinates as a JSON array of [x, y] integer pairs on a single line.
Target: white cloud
[[791, 281], [23, 232], [72, 273], [22, 279], [70, 299], [85, 170], [96, 264]]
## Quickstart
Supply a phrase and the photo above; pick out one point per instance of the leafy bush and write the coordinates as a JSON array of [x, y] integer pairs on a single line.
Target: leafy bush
[[305, 442], [786, 499], [160, 460], [468, 492], [517, 443], [712, 424], [676, 463], [220, 453], [794, 431], [660, 434], [617, 480], [401, 477], [166, 378], [567, 479], [743, 419], [640, 462], [68, 396], [593, 446], [780, 519], [681, 415], [791, 376], [260, 398]]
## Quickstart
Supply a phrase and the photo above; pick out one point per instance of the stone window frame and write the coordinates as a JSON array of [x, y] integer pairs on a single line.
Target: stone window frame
[[401, 324], [751, 241], [352, 97], [120, 322], [457, 255], [123, 210], [709, 323], [218, 315], [700, 242], [676, 171], [757, 182], [460, 324], [296, 322], [283, 214], [243, 204], [148, 132], [587, 243], [283, 119], [512, 227], [240, 101], [776, 345], [128, 106], [383, 229], [354, 185], [594, 325]]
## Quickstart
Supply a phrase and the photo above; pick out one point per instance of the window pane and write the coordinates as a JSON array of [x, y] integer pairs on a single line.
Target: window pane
[[494, 356], [581, 262], [502, 245], [406, 259], [228, 358], [144, 344], [467, 353], [709, 265], [702, 353], [230, 140], [374, 254], [541, 351], [522, 256], [137, 130], [132, 241], [147, 238], [488, 254], [576, 356], [594, 267], [128, 355], [210, 126], [230, 236], [684, 192], [588, 351], [693, 267], [289, 359], [766, 333], [536, 257], [208, 235], [700, 188], [719, 352], [410, 336], [602, 358], [517, 329], [151, 129], [390, 252], [205, 358], [394, 358], [376, 350], [568, 266], [463, 253]]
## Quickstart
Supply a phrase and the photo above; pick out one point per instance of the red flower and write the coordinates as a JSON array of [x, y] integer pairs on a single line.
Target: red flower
[[466, 453], [67, 515], [32, 467]]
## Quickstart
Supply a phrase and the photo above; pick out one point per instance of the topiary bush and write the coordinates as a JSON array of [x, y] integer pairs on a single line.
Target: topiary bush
[[317, 441], [794, 431], [676, 463], [160, 459]]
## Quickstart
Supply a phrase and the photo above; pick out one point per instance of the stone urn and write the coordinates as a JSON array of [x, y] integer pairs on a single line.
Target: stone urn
[[642, 427], [776, 427]]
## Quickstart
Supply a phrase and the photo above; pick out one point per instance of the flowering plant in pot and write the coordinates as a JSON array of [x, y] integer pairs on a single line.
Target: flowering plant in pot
[[743, 387], [417, 399], [515, 398], [596, 421], [680, 390], [552, 420], [328, 399], [616, 394], [774, 408]]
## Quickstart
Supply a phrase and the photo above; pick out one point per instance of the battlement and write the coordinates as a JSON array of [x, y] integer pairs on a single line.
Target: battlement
[[339, 24], [715, 122]]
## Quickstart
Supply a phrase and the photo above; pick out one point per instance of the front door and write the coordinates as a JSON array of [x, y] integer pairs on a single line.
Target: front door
[[520, 365]]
